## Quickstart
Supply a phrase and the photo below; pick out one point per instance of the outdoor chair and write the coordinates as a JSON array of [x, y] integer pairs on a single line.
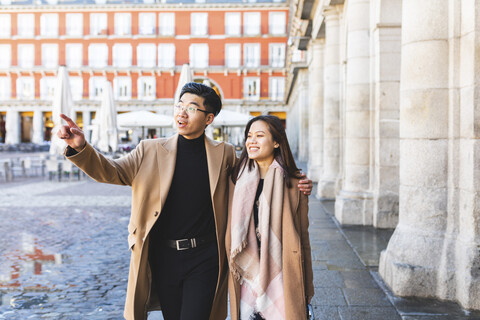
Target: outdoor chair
[[17, 168], [67, 169], [5, 173], [52, 168], [34, 166]]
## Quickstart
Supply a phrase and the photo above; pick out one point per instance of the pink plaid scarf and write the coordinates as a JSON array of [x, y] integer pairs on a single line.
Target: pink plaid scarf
[[259, 271]]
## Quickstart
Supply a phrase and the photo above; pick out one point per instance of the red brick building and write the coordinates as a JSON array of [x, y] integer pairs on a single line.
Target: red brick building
[[140, 47]]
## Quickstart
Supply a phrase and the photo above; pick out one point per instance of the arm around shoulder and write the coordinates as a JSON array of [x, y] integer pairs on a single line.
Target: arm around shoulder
[[306, 249]]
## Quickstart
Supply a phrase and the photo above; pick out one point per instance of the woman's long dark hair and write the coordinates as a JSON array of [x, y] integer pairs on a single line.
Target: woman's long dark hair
[[282, 154]]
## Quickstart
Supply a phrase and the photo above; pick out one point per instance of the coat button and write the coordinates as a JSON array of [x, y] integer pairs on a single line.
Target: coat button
[[156, 213]]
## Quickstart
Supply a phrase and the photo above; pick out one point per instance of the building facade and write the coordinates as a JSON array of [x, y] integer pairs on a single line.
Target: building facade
[[385, 105], [140, 47]]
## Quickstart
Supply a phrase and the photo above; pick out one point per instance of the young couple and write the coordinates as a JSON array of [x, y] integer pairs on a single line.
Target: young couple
[[198, 211]]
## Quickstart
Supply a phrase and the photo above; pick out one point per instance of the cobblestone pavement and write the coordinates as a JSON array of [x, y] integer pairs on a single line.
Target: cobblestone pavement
[[64, 255]]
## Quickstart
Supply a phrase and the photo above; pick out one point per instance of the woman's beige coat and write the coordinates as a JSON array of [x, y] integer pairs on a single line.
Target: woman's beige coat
[[296, 255], [149, 170]]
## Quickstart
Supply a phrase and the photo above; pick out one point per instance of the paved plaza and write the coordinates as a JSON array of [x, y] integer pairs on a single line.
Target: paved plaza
[[64, 255]]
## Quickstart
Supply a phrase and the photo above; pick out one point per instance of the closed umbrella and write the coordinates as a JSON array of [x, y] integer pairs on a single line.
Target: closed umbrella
[[104, 134], [62, 103], [185, 77]]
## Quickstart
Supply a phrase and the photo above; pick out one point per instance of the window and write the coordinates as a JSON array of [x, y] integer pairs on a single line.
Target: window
[[5, 84], [74, 56], [122, 55], [50, 55], [233, 53], [123, 24], [199, 55], [96, 87], [277, 55], [5, 26], [146, 23], [26, 24], [98, 55], [76, 86], [276, 23], [199, 24], [276, 88], [166, 55], [98, 24], [251, 88], [233, 24], [122, 87], [146, 88], [74, 23], [166, 22], [146, 55], [49, 25], [26, 55], [47, 88], [6, 54], [25, 88], [251, 55], [251, 23]]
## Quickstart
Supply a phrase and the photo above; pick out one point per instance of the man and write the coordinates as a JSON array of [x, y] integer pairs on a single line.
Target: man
[[179, 211]]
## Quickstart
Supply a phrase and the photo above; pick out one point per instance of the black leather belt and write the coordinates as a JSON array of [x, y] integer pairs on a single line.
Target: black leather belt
[[185, 244]]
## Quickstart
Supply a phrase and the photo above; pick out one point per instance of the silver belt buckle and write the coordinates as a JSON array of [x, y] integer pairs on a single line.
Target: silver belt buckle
[[178, 244]]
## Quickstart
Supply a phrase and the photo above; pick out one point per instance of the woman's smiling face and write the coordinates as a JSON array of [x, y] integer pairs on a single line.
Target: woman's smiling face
[[260, 145]]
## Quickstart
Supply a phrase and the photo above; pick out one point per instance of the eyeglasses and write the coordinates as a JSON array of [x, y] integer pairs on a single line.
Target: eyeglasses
[[190, 109]]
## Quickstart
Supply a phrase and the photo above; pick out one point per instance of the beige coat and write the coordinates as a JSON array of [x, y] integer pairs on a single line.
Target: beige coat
[[149, 170], [296, 255]]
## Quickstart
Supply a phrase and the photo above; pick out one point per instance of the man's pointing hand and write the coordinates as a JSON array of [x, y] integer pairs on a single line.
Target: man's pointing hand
[[72, 134]]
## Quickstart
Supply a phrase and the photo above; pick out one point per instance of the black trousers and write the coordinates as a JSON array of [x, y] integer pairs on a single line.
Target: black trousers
[[185, 280]]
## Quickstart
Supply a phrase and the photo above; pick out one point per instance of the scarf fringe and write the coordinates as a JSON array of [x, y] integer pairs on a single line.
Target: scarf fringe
[[233, 266]]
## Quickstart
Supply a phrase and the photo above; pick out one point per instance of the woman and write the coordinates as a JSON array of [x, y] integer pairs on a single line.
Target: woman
[[267, 240]]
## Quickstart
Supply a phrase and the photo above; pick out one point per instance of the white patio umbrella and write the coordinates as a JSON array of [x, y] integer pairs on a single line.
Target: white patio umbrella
[[146, 119], [105, 134], [62, 103], [185, 77], [227, 118]]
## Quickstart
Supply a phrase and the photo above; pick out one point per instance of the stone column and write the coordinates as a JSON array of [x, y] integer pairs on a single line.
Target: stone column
[[38, 127], [12, 126], [303, 103], [386, 40], [315, 118], [331, 105], [410, 264], [354, 203]]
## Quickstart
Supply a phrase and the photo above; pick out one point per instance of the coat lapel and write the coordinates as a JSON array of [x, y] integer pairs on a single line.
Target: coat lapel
[[166, 157], [214, 160]]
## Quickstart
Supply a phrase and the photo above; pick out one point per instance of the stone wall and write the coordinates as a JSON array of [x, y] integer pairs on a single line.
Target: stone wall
[[399, 132]]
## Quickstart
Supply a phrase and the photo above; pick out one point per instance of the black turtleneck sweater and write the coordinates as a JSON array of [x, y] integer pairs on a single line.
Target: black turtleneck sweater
[[188, 211]]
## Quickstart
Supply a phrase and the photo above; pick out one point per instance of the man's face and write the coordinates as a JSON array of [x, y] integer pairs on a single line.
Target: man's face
[[190, 125]]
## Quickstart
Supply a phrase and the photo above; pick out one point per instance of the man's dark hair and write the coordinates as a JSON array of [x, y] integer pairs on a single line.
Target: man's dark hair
[[211, 101]]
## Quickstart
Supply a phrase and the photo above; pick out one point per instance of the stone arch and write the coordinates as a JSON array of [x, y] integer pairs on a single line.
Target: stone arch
[[215, 86]]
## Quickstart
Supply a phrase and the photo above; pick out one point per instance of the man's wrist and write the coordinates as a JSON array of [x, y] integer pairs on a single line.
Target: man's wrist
[[81, 148]]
